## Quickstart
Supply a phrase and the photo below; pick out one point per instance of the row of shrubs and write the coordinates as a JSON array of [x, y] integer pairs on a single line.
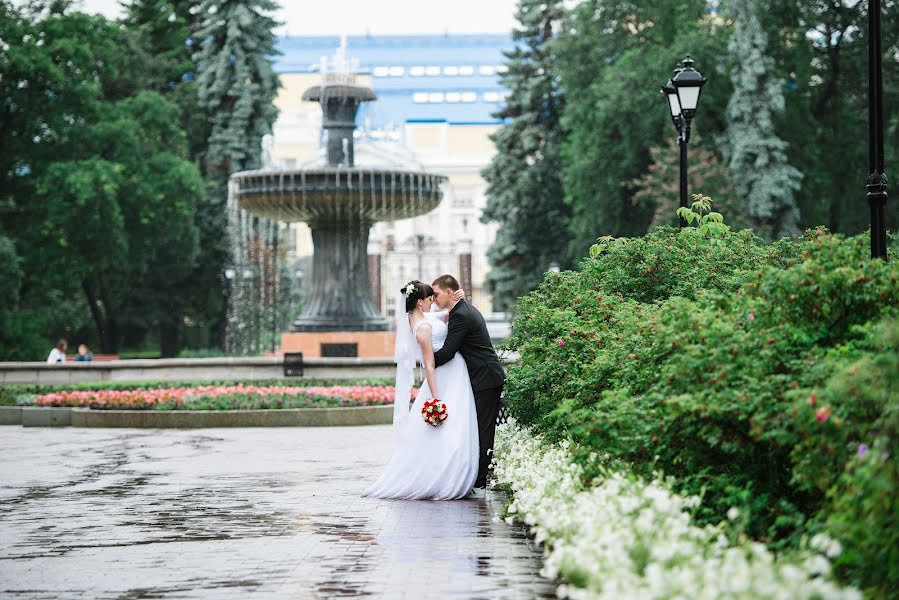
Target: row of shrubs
[[763, 376]]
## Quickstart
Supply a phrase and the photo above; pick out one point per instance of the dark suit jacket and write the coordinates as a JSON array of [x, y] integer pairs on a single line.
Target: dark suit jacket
[[468, 336]]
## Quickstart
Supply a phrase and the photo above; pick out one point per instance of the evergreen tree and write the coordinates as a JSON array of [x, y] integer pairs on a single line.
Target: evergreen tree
[[236, 89], [525, 193], [164, 29], [764, 181], [237, 84]]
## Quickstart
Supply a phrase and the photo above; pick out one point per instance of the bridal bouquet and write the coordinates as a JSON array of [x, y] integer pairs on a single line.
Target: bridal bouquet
[[434, 412]]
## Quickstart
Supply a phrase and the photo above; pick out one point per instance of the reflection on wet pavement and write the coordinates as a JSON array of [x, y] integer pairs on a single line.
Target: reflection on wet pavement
[[235, 513]]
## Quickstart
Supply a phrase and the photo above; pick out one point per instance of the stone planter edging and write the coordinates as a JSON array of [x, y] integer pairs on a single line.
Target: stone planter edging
[[10, 415], [47, 416]]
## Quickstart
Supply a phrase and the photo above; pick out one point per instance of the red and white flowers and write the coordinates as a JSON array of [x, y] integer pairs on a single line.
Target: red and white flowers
[[434, 412]]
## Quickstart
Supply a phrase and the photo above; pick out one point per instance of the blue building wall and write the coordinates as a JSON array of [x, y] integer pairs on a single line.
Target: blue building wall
[[413, 76]]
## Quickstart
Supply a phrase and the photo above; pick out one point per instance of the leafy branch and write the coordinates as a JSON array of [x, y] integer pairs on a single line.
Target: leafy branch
[[700, 213]]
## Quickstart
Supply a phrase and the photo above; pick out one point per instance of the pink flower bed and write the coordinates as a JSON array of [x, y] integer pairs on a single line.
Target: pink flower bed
[[133, 399]]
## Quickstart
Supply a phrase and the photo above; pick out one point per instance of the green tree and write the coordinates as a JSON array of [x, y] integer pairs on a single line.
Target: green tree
[[611, 58], [236, 89], [524, 191], [56, 69], [20, 338], [764, 180], [96, 191], [821, 50], [165, 29], [121, 220]]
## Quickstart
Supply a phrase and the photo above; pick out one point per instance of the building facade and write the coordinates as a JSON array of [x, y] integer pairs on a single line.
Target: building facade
[[437, 96]]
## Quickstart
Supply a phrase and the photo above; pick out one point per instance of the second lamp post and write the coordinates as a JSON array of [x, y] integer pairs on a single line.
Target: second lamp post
[[681, 94]]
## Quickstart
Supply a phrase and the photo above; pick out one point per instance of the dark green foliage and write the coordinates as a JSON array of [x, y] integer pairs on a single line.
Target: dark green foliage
[[236, 87], [610, 58], [524, 191], [697, 355], [862, 399], [20, 330]]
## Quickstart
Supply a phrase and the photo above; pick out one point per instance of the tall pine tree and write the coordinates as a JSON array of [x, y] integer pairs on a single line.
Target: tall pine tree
[[525, 193], [236, 88], [764, 181]]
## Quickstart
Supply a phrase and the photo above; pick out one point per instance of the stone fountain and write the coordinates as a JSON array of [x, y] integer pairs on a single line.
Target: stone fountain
[[340, 201]]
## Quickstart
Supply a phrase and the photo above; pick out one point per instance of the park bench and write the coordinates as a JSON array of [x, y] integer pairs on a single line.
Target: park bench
[[97, 357]]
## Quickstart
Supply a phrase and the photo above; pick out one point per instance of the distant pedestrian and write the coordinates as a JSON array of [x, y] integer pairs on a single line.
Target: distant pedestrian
[[58, 354], [84, 354]]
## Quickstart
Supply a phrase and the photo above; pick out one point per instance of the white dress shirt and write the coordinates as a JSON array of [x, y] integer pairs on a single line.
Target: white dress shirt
[[56, 356]]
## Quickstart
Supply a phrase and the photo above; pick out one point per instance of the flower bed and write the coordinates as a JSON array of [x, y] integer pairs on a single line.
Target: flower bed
[[622, 537], [222, 397]]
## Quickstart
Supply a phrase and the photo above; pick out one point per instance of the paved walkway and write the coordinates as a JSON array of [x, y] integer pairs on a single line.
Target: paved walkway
[[235, 513]]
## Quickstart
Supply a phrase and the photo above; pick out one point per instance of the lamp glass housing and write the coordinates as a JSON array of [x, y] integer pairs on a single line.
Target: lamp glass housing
[[673, 104], [688, 96]]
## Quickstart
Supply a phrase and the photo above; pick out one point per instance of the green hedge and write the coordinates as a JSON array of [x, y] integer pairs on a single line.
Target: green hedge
[[751, 372], [23, 394]]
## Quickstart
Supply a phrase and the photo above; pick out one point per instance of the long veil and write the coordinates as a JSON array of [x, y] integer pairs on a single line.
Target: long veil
[[405, 353]]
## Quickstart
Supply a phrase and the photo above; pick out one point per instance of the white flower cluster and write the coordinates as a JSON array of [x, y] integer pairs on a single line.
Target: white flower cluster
[[626, 538]]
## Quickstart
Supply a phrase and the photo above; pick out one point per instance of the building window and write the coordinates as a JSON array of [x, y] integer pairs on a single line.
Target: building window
[[416, 71], [435, 97], [487, 70], [469, 97], [453, 97], [501, 68], [388, 71], [463, 198], [451, 71], [466, 70], [492, 97], [432, 71], [420, 97]]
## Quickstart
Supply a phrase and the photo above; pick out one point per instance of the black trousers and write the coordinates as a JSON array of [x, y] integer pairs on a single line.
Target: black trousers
[[487, 406]]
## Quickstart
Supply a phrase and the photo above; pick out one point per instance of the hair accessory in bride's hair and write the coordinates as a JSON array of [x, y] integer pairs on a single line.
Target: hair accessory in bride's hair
[[409, 289]]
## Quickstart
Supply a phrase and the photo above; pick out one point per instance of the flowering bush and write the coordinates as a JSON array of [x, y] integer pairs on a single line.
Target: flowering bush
[[741, 369], [621, 537], [222, 397]]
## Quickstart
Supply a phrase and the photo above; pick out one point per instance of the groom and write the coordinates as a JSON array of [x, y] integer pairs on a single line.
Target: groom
[[468, 336]]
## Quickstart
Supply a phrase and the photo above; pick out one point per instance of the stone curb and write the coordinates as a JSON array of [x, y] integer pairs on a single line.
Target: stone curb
[[46, 416], [10, 415], [195, 419]]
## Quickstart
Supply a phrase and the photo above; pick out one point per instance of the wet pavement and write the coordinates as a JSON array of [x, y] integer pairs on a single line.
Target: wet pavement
[[236, 513]]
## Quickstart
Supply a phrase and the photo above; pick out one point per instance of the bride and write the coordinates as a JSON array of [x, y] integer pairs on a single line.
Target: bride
[[429, 463]]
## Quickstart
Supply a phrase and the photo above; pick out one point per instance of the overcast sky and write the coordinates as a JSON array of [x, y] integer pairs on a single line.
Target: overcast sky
[[325, 17]]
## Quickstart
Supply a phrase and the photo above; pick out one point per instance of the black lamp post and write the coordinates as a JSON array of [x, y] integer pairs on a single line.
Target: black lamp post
[[877, 178], [681, 95]]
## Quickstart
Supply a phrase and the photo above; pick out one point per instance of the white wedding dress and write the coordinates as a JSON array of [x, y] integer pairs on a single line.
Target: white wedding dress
[[435, 463]]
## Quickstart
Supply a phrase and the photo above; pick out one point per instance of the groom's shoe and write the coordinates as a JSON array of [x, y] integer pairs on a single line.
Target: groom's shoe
[[477, 493]]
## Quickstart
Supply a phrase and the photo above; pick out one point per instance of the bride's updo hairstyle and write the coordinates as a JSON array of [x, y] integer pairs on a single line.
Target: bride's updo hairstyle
[[417, 291]]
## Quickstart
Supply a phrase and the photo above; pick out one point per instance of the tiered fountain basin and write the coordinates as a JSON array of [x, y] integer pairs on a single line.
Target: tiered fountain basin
[[330, 194], [340, 200]]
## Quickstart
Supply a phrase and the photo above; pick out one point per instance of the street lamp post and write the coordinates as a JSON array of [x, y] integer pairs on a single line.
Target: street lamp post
[[877, 179], [681, 95]]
